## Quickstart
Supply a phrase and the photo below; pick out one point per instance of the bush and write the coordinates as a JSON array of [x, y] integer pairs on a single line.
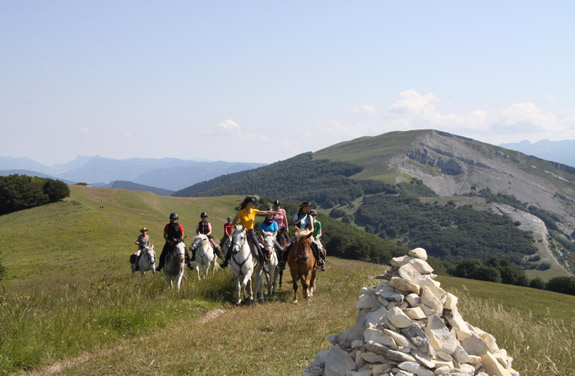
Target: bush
[[564, 285], [537, 283]]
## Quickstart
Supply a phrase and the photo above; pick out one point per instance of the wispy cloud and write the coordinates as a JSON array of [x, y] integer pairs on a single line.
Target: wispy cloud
[[366, 109]]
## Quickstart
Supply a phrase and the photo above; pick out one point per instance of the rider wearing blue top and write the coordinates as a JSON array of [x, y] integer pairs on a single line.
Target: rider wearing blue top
[[269, 225]]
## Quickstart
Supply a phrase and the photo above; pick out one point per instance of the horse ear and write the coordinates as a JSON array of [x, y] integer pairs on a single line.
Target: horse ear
[[297, 229], [309, 235]]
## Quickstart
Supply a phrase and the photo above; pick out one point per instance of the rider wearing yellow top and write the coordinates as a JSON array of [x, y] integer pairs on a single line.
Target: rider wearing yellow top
[[246, 216]]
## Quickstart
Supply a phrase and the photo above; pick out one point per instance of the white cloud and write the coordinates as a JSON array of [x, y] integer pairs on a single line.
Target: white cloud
[[228, 126], [366, 109], [413, 110]]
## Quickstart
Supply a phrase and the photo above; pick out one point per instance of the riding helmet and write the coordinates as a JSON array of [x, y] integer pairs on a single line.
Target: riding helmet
[[204, 214], [174, 216], [277, 203]]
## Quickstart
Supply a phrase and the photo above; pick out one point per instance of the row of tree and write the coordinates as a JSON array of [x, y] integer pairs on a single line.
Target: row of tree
[[502, 271], [19, 192]]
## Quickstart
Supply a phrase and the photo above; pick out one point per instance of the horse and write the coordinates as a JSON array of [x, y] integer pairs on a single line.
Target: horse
[[269, 248], [175, 265], [204, 255], [242, 265], [146, 262], [302, 264]]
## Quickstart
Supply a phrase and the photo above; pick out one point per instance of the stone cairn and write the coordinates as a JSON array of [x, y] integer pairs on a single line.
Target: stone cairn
[[409, 326]]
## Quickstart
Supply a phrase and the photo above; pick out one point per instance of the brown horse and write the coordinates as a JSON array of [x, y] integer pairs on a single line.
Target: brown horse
[[302, 264]]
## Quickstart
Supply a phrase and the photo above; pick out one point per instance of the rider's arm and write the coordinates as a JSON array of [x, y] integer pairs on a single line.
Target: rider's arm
[[209, 229]]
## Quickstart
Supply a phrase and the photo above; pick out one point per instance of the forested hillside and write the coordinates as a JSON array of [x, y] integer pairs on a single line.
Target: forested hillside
[[377, 182], [295, 179]]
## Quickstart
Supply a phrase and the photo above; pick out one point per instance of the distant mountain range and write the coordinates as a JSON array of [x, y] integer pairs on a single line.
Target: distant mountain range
[[167, 174], [557, 151]]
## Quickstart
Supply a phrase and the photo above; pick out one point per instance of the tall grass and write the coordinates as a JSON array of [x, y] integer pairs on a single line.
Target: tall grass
[[120, 327], [60, 319]]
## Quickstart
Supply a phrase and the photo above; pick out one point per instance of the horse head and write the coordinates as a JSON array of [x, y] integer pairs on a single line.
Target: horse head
[[149, 254], [238, 239], [200, 239], [303, 244]]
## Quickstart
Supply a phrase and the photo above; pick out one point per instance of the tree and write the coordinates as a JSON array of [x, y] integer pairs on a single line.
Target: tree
[[564, 285]]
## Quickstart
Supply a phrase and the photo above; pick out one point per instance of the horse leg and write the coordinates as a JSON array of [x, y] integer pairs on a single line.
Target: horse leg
[[295, 282], [239, 290], [197, 267]]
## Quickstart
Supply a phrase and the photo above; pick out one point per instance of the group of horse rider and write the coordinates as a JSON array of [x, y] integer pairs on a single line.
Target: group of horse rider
[[275, 222]]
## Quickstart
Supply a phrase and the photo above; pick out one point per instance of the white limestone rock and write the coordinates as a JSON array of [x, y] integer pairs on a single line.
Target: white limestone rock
[[439, 336], [419, 253], [430, 300], [492, 366], [367, 301], [415, 368], [345, 338], [393, 355], [450, 301], [376, 316], [404, 285], [413, 300], [400, 340], [398, 318], [387, 292], [475, 345], [338, 362], [415, 313], [421, 266], [400, 261], [424, 359], [377, 336]]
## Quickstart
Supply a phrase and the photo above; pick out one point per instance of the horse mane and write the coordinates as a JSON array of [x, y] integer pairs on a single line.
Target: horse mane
[[303, 234]]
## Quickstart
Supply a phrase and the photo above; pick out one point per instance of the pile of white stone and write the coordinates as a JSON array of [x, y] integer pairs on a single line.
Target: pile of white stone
[[410, 326]]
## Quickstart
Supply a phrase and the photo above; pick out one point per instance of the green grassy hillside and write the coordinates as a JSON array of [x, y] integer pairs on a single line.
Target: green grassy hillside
[[59, 315], [76, 238]]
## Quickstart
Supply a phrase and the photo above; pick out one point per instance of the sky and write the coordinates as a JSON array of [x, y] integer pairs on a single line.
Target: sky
[[262, 81]]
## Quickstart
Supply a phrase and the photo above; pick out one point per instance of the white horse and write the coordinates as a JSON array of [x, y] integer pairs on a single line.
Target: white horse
[[242, 265], [175, 265], [146, 262], [204, 255], [272, 264]]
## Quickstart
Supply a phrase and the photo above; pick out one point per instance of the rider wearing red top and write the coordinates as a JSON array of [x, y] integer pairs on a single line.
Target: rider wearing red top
[[173, 233]]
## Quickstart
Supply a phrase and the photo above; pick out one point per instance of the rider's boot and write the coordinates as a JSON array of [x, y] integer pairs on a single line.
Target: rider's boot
[[227, 260], [264, 266], [322, 264]]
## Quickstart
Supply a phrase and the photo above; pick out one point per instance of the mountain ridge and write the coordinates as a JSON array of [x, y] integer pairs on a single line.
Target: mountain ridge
[[419, 163]]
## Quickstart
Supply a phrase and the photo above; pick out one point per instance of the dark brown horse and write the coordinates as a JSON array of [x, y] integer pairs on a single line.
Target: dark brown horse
[[302, 264]]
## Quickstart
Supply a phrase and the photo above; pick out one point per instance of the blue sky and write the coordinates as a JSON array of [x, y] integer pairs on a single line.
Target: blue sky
[[261, 81]]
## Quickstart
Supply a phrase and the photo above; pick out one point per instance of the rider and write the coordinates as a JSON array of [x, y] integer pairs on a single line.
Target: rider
[[228, 230], [246, 216], [142, 242], [281, 220], [173, 232], [204, 227], [270, 225], [317, 233], [303, 221]]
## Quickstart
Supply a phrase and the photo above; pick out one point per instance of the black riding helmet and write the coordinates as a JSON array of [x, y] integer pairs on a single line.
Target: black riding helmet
[[204, 214], [174, 216], [277, 203]]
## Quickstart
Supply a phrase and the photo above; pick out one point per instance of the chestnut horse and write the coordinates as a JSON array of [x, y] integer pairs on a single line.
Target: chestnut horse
[[302, 264]]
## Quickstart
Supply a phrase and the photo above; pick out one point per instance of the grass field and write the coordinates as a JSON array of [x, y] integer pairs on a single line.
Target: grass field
[[60, 315]]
